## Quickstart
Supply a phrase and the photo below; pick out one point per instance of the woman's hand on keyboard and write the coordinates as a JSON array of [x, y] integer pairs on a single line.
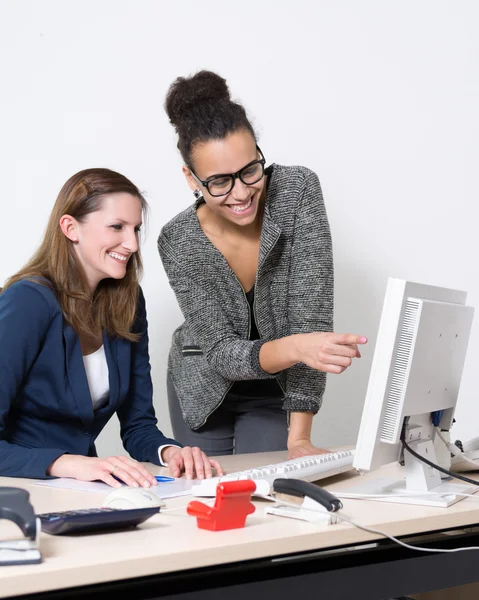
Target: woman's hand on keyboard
[[304, 448], [192, 461]]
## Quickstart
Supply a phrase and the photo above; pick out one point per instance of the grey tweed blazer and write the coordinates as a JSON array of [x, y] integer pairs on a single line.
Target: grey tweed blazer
[[293, 294]]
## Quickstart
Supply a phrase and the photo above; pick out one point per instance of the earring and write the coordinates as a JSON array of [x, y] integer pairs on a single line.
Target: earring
[[197, 194]]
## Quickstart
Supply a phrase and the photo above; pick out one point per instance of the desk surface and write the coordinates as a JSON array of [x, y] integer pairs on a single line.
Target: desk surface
[[171, 542]]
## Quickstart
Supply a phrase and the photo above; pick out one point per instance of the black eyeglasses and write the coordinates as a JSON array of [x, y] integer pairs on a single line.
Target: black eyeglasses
[[222, 184]]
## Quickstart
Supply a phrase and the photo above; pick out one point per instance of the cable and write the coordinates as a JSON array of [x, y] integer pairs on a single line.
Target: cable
[[342, 517], [411, 494], [339, 514], [168, 510], [209, 502], [434, 466], [13, 548], [455, 451]]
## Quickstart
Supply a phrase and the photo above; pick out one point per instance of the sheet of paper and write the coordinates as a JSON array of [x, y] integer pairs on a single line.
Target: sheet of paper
[[167, 489]]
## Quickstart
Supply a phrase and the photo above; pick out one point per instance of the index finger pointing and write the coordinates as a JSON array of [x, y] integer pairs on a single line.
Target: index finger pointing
[[351, 339]]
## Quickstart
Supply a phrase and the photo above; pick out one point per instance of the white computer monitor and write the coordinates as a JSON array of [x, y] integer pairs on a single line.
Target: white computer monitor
[[416, 372]]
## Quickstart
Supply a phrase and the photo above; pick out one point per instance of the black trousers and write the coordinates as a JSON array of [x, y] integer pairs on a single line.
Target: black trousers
[[240, 425]]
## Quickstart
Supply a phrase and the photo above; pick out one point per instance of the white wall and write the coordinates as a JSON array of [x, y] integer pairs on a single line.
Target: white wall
[[379, 98]]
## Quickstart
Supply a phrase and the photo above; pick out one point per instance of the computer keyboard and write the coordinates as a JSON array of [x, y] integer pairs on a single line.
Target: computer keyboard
[[307, 468]]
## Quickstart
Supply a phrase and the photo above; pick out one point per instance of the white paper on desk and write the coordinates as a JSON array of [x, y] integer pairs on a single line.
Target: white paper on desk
[[167, 489]]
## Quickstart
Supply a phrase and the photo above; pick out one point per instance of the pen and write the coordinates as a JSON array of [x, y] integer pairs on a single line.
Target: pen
[[162, 478]]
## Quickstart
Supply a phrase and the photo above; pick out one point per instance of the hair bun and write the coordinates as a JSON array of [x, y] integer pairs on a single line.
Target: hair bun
[[186, 92]]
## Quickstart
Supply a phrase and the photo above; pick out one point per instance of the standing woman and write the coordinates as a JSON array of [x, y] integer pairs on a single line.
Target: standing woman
[[74, 346], [251, 264]]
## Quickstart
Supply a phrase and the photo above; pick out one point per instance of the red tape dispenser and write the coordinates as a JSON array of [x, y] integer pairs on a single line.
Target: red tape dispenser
[[232, 506]]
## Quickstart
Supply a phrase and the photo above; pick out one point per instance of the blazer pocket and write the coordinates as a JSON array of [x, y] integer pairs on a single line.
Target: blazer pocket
[[191, 351]]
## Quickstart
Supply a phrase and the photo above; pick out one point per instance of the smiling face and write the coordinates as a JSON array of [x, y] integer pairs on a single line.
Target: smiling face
[[229, 155], [105, 239]]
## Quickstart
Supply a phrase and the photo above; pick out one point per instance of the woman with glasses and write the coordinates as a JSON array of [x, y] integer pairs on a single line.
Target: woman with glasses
[[250, 262]]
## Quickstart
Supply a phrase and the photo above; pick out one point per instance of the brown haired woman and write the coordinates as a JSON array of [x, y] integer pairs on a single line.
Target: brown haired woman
[[74, 346]]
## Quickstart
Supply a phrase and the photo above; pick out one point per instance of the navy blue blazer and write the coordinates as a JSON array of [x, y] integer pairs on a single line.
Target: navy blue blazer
[[45, 403]]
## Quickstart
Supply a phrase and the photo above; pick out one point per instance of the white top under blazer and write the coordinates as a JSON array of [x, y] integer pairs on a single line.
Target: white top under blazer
[[96, 368]]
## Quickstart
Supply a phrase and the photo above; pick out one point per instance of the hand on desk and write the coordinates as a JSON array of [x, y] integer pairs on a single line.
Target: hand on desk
[[86, 468], [304, 448], [192, 461]]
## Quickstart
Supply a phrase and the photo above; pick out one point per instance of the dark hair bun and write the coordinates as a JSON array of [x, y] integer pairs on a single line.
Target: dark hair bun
[[186, 92]]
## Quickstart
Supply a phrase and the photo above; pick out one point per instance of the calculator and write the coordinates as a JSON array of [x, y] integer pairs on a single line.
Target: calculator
[[92, 520]]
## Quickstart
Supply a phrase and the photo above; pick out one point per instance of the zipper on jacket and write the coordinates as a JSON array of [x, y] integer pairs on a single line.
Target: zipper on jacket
[[249, 328], [256, 320], [250, 308], [254, 313], [288, 414], [220, 402], [249, 333], [246, 301]]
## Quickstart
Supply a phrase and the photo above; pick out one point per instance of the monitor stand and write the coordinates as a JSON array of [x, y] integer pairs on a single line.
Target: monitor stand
[[422, 484]]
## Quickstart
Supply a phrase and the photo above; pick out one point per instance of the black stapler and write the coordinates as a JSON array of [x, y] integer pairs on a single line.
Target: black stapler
[[317, 505]]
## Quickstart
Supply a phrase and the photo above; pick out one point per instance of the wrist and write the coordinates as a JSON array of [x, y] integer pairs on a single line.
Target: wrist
[[295, 441], [293, 348], [168, 453], [57, 467], [300, 426], [277, 355]]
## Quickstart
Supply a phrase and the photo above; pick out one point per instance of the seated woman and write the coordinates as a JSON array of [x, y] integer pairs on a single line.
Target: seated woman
[[74, 346]]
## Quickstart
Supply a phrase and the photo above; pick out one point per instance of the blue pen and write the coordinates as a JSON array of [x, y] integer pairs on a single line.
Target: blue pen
[[162, 478]]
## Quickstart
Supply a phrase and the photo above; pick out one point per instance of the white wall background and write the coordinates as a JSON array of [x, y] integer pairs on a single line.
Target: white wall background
[[379, 97]]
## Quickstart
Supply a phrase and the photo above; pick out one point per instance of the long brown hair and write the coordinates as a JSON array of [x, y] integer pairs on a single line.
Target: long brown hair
[[113, 305]]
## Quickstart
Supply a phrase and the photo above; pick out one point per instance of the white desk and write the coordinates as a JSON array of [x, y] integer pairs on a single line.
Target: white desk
[[170, 544]]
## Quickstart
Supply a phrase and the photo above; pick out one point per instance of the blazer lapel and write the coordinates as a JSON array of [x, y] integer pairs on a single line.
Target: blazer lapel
[[76, 375], [270, 233]]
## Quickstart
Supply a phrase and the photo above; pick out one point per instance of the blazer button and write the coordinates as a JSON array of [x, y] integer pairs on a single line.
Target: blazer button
[[86, 432]]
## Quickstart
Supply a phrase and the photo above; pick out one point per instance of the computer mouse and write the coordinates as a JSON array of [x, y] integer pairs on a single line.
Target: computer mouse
[[129, 497]]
